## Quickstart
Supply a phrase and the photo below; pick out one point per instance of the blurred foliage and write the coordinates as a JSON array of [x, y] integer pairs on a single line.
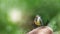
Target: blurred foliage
[[48, 9]]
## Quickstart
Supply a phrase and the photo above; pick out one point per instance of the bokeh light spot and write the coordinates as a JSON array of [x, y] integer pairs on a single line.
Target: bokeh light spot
[[15, 15]]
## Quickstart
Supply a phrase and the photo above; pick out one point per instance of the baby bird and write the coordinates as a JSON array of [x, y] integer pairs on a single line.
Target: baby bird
[[38, 21]]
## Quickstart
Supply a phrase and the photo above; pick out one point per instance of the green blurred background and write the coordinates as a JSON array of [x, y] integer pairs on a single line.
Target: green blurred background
[[47, 9]]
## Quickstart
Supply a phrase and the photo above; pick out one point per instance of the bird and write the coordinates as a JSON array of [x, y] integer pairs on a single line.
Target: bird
[[38, 21]]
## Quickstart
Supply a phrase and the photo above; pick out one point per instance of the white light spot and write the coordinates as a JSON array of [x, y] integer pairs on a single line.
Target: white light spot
[[15, 15]]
